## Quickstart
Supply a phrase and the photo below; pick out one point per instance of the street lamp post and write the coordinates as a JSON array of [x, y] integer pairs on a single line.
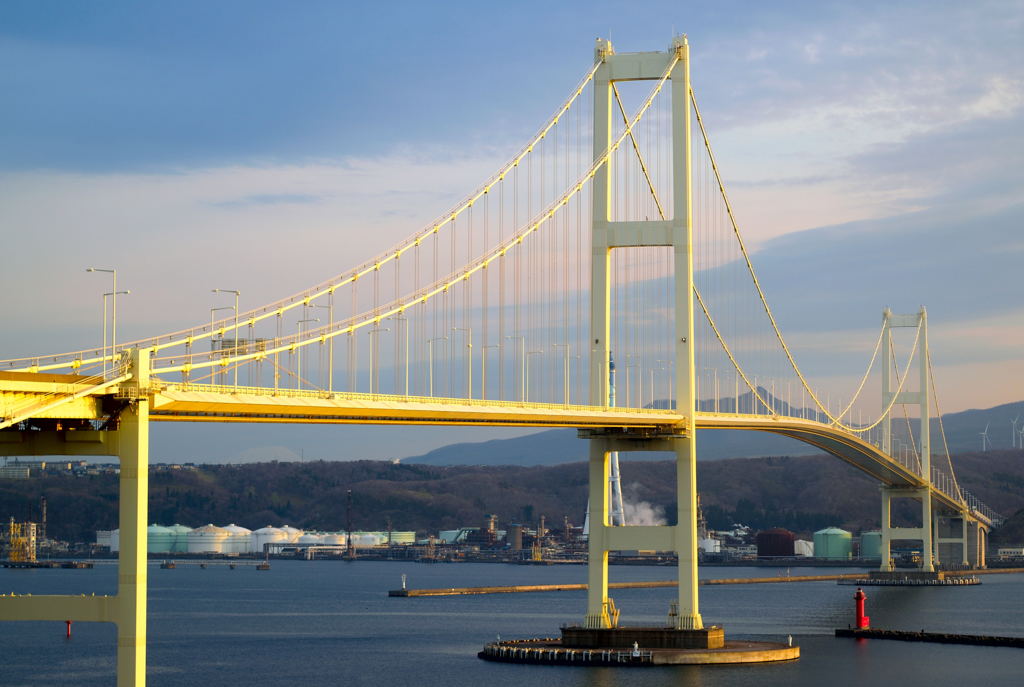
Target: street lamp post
[[330, 349], [113, 337], [522, 365], [109, 294], [666, 368], [402, 322], [640, 383], [430, 364], [298, 351], [330, 343], [237, 294], [483, 375], [469, 359], [526, 381], [374, 346], [565, 372], [213, 310]]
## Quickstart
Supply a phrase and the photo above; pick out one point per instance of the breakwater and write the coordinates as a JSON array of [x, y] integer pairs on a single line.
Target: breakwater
[[936, 637], [518, 589], [514, 589]]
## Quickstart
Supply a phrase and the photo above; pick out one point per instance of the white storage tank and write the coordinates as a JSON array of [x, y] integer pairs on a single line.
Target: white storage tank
[[159, 539], [239, 539], [334, 539], [267, 535], [367, 540], [291, 533], [180, 538], [115, 540], [310, 539], [207, 539], [802, 547]]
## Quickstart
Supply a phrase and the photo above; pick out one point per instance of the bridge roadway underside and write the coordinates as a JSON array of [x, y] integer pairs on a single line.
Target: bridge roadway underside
[[841, 444]]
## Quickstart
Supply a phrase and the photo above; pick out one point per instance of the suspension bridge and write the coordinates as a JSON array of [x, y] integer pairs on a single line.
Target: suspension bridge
[[610, 233]]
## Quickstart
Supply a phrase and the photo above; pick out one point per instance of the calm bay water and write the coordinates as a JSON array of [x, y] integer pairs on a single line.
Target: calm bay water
[[331, 623]]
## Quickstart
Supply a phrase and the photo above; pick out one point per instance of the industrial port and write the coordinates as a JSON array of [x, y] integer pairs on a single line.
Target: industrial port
[[25, 544]]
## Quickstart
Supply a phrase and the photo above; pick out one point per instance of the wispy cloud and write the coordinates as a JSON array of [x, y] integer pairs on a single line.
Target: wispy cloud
[[289, 225], [268, 199]]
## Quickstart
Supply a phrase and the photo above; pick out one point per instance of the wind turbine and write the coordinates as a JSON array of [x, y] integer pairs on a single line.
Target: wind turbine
[[1013, 432], [984, 438]]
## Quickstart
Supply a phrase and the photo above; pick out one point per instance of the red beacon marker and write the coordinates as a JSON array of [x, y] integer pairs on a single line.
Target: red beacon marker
[[863, 621]]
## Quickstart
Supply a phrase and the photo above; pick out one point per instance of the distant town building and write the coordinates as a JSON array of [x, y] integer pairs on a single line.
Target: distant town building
[[14, 472]]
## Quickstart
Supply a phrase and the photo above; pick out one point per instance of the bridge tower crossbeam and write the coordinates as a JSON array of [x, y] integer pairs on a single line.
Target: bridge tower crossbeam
[[607, 235]]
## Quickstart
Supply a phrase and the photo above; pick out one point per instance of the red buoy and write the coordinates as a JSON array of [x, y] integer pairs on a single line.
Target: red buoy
[[863, 621], [69, 628]]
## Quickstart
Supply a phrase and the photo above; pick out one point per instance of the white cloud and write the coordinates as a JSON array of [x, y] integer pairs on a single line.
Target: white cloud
[[1002, 97], [812, 52]]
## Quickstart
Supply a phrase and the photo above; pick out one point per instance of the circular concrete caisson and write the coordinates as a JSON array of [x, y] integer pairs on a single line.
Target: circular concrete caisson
[[549, 650]]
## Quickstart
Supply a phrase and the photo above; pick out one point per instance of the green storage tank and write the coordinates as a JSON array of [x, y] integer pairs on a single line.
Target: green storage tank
[[159, 539], [833, 544], [871, 545]]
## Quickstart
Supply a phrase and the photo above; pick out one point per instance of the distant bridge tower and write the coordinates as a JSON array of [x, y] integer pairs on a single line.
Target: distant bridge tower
[[958, 528], [920, 398], [608, 235]]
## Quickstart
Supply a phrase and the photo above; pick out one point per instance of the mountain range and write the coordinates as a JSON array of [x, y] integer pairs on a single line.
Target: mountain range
[[550, 447]]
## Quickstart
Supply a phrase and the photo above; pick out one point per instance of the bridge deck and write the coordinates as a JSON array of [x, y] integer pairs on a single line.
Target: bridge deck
[[179, 402], [207, 403]]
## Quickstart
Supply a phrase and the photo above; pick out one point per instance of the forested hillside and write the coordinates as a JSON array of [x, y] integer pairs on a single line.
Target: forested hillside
[[801, 493]]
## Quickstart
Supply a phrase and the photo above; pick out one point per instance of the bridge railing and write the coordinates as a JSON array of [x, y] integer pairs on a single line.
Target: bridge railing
[[671, 416], [976, 506]]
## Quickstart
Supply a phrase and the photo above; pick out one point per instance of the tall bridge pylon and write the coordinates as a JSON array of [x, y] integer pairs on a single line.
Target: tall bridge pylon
[[892, 397], [608, 235], [964, 540]]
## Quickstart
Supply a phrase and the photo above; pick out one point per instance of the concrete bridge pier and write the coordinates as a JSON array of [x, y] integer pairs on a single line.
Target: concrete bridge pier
[[977, 544], [922, 534], [133, 451], [603, 537], [951, 539]]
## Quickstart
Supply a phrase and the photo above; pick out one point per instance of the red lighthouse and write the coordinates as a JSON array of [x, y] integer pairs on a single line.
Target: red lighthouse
[[863, 621]]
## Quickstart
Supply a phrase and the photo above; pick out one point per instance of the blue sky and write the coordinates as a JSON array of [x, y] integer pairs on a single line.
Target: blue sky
[[870, 147]]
